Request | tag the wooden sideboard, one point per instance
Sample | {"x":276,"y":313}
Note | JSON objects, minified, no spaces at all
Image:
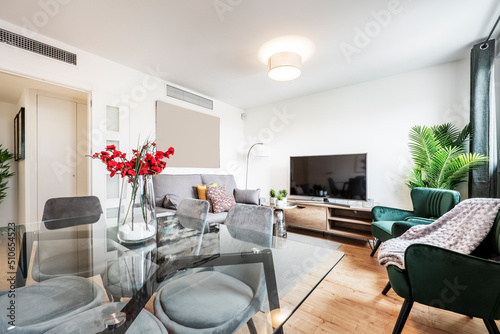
{"x":333,"y":219}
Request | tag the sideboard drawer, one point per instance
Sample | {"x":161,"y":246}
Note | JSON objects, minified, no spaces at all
{"x":305,"y":216}
{"x":352,"y":213}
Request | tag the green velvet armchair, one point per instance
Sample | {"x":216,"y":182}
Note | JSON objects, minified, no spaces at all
{"x":465,"y":284}
{"x":428,"y":205}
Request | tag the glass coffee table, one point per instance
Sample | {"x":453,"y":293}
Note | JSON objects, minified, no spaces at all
{"x":34,"y":256}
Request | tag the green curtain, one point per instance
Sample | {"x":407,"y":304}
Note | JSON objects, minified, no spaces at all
{"x":483,"y":180}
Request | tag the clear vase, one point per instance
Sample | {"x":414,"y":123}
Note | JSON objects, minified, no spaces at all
{"x":137,"y":214}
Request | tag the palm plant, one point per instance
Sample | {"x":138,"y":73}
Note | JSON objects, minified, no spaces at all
{"x":5,"y":172}
{"x":440,"y":156}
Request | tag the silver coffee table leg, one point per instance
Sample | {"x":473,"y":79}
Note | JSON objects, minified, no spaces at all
{"x":279,"y":223}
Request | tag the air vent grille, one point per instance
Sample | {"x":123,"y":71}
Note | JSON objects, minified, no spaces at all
{"x":180,"y":94}
{"x":32,"y":45}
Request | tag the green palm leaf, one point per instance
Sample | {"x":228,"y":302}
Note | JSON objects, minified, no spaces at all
{"x":422,"y":145}
{"x":440,"y":157}
{"x":460,"y":166}
{"x":415,"y":178}
{"x":446,"y":134}
{"x":464,"y":136}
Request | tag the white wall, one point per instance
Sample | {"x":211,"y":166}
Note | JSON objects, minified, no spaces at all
{"x":8,"y":208}
{"x":135,"y":91}
{"x":372,"y":117}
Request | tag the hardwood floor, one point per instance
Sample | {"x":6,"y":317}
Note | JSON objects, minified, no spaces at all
{"x":349,"y":300}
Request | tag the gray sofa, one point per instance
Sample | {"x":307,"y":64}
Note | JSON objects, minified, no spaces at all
{"x":170,"y":189}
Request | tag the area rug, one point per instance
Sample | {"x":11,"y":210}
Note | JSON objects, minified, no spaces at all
{"x":297,"y":257}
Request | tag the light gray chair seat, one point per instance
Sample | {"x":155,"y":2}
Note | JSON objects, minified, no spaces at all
{"x":208,"y":302}
{"x":126,"y":275}
{"x":62,"y":264}
{"x":43,"y":306}
{"x":92,"y":321}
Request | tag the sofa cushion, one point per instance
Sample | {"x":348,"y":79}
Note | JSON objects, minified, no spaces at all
{"x":227,"y":180}
{"x":221,"y":201}
{"x":175,"y":187}
{"x":247,"y":196}
{"x":202,"y":190}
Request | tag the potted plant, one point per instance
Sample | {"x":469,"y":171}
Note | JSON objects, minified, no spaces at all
{"x":281,"y":198}
{"x":272,"y":197}
{"x":5,"y":172}
{"x":440,"y":158}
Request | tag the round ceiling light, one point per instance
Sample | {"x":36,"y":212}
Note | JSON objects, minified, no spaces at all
{"x":284,"y":66}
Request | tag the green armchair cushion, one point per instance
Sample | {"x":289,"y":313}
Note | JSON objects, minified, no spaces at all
{"x":384,"y":213}
{"x":398,"y":228}
{"x":382,"y":230}
{"x":428,"y":204}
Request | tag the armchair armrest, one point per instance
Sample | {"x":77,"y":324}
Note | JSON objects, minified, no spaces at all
{"x":453,"y":281}
{"x":398,"y":228}
{"x":383,"y":213}
{"x":420,"y":220}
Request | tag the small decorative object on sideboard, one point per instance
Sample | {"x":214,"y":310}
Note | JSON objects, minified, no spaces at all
{"x":137,"y":213}
{"x":281,"y":196}
{"x":272,"y":197}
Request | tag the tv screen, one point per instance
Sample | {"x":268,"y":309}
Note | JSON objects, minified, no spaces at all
{"x":329,"y":176}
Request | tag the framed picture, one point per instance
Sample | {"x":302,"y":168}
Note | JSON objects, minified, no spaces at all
{"x":19,"y":135}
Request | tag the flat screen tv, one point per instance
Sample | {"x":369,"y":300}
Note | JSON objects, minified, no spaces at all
{"x":341,"y":176}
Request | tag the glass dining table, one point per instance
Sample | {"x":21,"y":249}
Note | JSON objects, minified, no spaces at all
{"x":63,"y":276}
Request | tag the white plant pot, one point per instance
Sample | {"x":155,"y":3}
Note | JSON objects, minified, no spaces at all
{"x":280,"y":203}
{"x":272,"y":200}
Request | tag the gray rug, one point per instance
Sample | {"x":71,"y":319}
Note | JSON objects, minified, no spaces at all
{"x":297,"y":257}
{"x":314,"y":241}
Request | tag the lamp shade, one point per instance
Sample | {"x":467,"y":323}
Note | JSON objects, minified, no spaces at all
{"x":284,"y":66}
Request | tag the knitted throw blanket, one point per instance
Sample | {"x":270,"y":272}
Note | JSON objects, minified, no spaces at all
{"x":461,"y":230}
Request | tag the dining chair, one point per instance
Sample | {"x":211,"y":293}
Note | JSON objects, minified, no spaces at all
{"x":193,"y":208}
{"x":93,"y":321}
{"x":126,"y":285}
{"x":48,"y":304}
{"x":58,"y":252}
{"x":223,"y":298}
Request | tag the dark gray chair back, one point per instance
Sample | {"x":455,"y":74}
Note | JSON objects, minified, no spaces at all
{"x":64,"y":212}
{"x":193,"y":208}
{"x":250,"y":217}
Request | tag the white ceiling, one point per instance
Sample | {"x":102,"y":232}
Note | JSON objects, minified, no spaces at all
{"x":212,"y":46}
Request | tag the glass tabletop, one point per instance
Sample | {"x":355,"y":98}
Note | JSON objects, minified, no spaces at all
{"x":84,"y":264}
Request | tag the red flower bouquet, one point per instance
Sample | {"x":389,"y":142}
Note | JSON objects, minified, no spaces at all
{"x":145,"y":161}
{"x":139,"y":208}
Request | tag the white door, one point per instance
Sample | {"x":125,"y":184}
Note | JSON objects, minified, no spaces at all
{"x":57,"y":157}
